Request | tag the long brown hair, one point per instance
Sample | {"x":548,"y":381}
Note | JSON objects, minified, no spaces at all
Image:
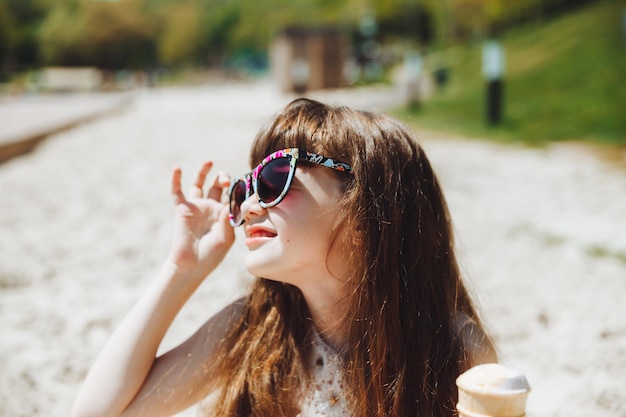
{"x":403,"y":352}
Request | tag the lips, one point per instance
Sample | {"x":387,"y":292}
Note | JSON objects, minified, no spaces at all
{"x":261,"y":233}
{"x":257,"y":232}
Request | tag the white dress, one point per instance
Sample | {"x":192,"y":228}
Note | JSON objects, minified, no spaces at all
{"x":325,"y":397}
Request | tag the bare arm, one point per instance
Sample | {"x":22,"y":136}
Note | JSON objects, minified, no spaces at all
{"x":126,"y":378}
{"x":182,"y":377}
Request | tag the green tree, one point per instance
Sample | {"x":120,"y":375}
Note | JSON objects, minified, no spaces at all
{"x":120,"y":34}
{"x":107,"y":35}
{"x":62,"y":36}
{"x":19,"y":23}
{"x":217,"y":26}
{"x":8,"y":36}
{"x":181,"y":35}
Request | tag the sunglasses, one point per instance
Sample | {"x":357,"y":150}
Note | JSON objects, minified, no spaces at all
{"x":272,"y":178}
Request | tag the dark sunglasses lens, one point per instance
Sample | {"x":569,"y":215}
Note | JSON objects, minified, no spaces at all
{"x":272,"y":179}
{"x":237,"y":196}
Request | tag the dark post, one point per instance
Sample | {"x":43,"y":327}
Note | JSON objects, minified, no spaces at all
{"x":493,"y":70}
{"x":494,"y":101}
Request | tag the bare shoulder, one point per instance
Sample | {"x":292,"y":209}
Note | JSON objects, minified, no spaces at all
{"x":476,"y":343}
{"x":183,"y":376}
{"x":203,"y":344}
{"x":215,"y":328}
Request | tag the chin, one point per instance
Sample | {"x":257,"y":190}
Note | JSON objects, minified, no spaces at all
{"x":268,"y":269}
{"x":260,"y":265}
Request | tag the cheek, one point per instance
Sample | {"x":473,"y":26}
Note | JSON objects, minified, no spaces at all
{"x":304,"y":221}
{"x":292,"y":213}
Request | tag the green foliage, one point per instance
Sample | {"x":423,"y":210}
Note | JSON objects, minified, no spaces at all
{"x":7,"y":31}
{"x":217,"y":27}
{"x":19,"y":23}
{"x":62,"y":36}
{"x":119,"y":35}
{"x":108,"y":35}
{"x":143,"y":33}
{"x":180,"y":35}
{"x":564,"y":81}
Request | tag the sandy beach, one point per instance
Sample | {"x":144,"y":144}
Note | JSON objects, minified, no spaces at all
{"x":85,"y":222}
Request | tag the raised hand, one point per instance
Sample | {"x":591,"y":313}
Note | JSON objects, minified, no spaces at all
{"x":202,"y":233}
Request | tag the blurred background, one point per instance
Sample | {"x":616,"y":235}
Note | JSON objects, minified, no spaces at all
{"x":520,"y":105}
{"x":559,"y":64}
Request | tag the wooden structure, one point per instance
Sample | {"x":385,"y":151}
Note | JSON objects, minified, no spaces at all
{"x":308,"y":59}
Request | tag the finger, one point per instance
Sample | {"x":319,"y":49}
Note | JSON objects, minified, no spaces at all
{"x":176,"y":189}
{"x":198,"y":184}
{"x":220,"y":182}
{"x":228,"y":230}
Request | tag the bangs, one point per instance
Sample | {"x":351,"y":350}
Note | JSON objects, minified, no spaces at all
{"x":274,"y":138}
{"x":303,"y":124}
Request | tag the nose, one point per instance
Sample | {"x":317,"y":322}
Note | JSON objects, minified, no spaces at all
{"x":250,"y":208}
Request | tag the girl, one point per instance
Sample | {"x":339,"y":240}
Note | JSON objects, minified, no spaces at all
{"x":359,"y":308}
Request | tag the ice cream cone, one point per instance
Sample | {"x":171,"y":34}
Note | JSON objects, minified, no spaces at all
{"x":492,"y":390}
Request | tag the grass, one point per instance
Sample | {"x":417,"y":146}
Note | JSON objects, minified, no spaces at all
{"x":565,"y":79}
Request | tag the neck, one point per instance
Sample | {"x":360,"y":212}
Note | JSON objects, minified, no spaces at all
{"x":328,"y":317}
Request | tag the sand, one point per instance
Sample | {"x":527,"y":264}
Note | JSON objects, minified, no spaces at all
{"x":85,"y":222}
